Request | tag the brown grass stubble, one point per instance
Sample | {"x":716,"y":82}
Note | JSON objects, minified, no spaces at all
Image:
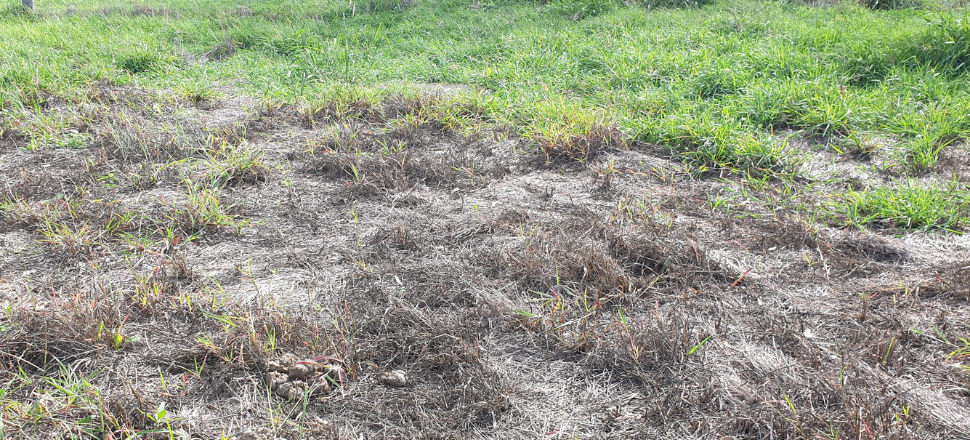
{"x":453,"y":236}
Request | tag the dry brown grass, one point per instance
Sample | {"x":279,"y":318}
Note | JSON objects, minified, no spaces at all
{"x":259,"y":273}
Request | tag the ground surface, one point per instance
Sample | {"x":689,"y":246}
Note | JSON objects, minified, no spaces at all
{"x":209,"y":264}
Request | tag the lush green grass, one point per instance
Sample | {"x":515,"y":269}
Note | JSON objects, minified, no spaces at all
{"x":722,"y":83}
{"x":909,"y":206}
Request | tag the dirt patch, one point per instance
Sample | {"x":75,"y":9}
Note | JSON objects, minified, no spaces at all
{"x":277,"y":274}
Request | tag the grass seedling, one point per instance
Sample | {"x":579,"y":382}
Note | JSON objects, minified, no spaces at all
{"x":699,"y":345}
{"x":634,"y":350}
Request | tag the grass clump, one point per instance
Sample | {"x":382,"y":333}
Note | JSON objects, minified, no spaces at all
{"x":373,"y":6}
{"x":143,"y":60}
{"x":567,"y":130}
{"x":708,"y":145}
{"x":923,"y":152}
{"x":228,"y":165}
{"x":946,"y":43}
{"x":908,"y":206}
{"x":203,"y":210}
{"x":199,"y":95}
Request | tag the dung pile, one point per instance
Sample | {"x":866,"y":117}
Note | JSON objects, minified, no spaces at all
{"x":290,"y":377}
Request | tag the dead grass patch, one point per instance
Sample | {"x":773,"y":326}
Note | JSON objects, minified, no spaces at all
{"x":264,"y":273}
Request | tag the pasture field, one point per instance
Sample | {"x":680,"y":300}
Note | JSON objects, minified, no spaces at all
{"x":508,"y":219}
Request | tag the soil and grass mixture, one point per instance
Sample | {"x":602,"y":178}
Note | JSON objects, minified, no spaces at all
{"x":229,"y":223}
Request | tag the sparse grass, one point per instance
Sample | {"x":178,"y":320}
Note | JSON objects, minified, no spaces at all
{"x":199,"y":94}
{"x":961,"y":350}
{"x":233,"y":165}
{"x":201,"y":210}
{"x":55,"y":390}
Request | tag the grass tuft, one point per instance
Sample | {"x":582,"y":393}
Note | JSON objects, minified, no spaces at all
{"x":908,"y":206}
{"x":228,"y":165}
{"x":567,"y":130}
{"x":140,"y":62}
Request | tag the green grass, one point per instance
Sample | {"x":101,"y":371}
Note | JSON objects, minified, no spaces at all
{"x":755,"y":67}
{"x":909,"y":206}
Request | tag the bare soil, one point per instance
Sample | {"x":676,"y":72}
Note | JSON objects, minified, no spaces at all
{"x":522,"y":298}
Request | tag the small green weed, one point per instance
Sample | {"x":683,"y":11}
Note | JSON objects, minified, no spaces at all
{"x":52,"y":140}
{"x":961,"y":346}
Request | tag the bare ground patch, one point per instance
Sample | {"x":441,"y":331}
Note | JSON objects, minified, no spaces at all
{"x":224,"y":270}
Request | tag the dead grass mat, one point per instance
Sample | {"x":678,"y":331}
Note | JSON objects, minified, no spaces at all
{"x":519,"y":298}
